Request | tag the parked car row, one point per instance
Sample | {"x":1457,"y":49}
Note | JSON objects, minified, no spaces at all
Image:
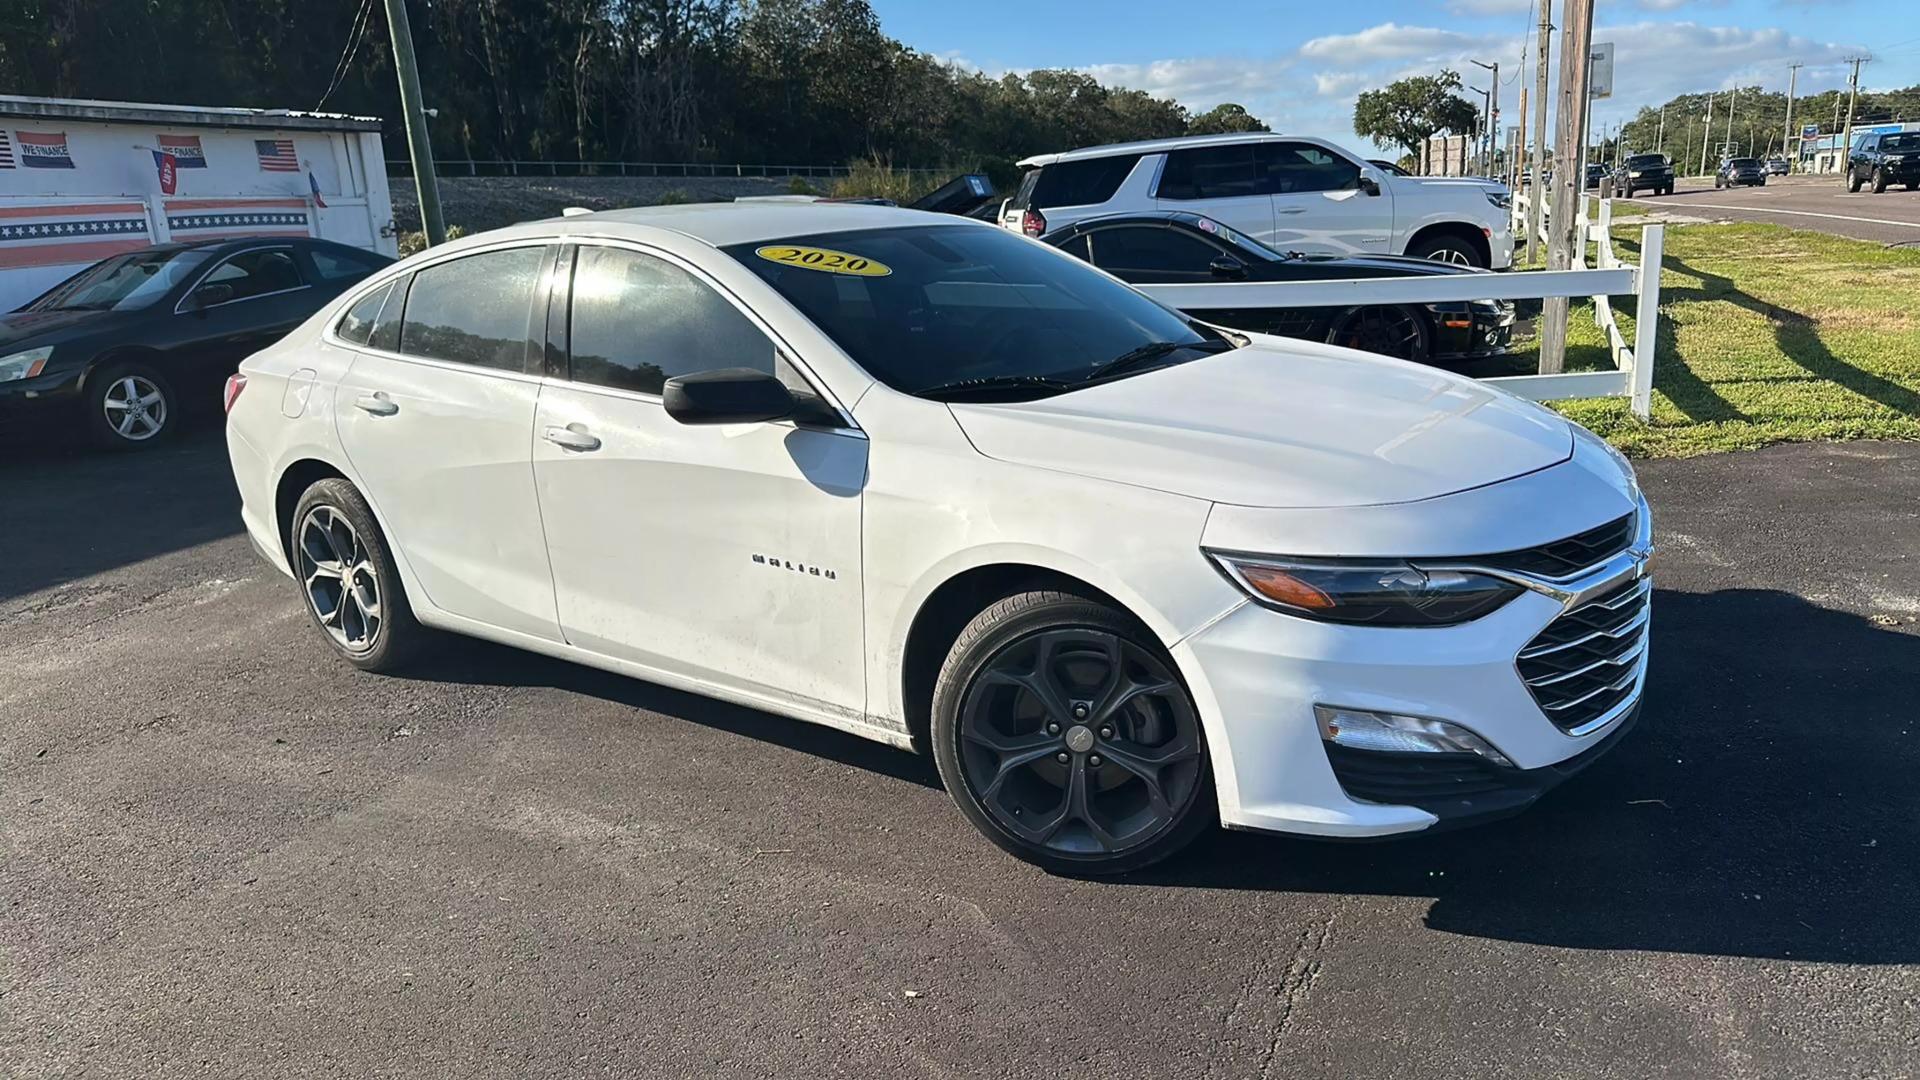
{"x":1123,"y":572}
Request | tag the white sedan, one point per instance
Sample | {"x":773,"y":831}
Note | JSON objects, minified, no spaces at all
{"x":933,"y":483}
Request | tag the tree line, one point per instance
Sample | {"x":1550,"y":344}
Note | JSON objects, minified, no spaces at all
{"x":1752,"y":122}
{"x":755,"y":81}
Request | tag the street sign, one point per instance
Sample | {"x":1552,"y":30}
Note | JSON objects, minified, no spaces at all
{"x":1600,"y":71}
{"x":1809,"y":132}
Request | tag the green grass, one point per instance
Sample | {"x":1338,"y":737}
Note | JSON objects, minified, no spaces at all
{"x":1767,"y":335}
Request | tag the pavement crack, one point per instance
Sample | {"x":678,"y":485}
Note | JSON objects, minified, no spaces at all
{"x":1295,"y":985}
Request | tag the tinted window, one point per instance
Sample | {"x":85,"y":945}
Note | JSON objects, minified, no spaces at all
{"x":1210,"y":172}
{"x":1291,"y":168}
{"x":1141,"y":248}
{"x":122,"y":283}
{"x":1645,"y":161}
{"x":963,"y":302}
{"x":1076,"y":183}
{"x":639,"y":321}
{"x":473,"y":310}
{"x":256,"y":273}
{"x":357,"y":324}
{"x":1743,"y":163}
{"x":1901,"y":143}
{"x":1077,"y":247}
{"x":331,"y":264}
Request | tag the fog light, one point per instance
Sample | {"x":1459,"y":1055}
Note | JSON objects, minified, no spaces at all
{"x":1392,"y":732}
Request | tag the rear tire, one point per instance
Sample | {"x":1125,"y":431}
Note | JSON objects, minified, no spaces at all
{"x":347,"y":580}
{"x":1853,"y":180}
{"x":1879,"y":180}
{"x":130,"y":406}
{"x":1042,"y":676}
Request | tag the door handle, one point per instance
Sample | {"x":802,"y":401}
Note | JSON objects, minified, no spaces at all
{"x":572,"y":437}
{"x":378,"y":403}
{"x":1291,"y":210}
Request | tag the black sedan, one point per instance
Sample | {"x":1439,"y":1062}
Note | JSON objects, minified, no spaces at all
{"x":1169,"y":247}
{"x":1735,"y":172}
{"x":124,"y":347}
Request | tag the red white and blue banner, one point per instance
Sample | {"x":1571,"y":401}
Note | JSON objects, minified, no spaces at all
{"x":208,"y":219}
{"x":39,"y":150}
{"x":59,"y":234}
{"x":169,"y":170}
{"x":186,"y":150}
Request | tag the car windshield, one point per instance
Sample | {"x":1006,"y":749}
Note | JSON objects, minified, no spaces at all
{"x":930,"y":309}
{"x":1743,"y":163}
{"x":123,"y":283}
{"x":1643,"y":161}
{"x":1907,"y":141}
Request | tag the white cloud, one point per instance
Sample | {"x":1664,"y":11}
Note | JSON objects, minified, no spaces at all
{"x":1386,"y":41}
{"x":1489,"y":7}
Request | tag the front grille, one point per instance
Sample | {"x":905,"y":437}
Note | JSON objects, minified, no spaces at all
{"x":1570,"y":556}
{"x":1585,"y":663}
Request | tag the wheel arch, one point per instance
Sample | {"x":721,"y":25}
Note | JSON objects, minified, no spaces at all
{"x":953,"y":603}
{"x":122,"y":354}
{"x":293,"y":482}
{"x":1460,"y":229}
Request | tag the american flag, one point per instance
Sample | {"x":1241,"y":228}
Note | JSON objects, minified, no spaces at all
{"x":6,"y":152}
{"x":276,"y":155}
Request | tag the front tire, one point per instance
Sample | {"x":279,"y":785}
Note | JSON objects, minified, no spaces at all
{"x":1064,"y":733}
{"x":1879,"y":180}
{"x":1386,"y":330}
{"x":130,"y":406}
{"x":347,"y":579}
{"x":1448,"y":248}
{"x":1853,"y":180}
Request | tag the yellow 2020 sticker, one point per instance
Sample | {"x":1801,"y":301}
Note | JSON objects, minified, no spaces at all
{"x":825,"y":260}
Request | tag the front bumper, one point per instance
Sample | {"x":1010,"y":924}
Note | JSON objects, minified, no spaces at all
{"x":56,"y":394}
{"x":1257,"y":675}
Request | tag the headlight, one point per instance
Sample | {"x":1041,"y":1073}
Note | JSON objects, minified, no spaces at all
{"x":1372,"y":592}
{"x":24,"y":365}
{"x":1501,"y":199}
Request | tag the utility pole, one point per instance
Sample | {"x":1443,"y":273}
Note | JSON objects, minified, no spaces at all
{"x":1733,"y":102}
{"x":419,"y":146}
{"x":1516,"y":159}
{"x":1853,"y":99}
{"x":1570,"y":140}
{"x":1706,"y":137}
{"x":1493,"y":112}
{"x":1660,"y":140}
{"x":1536,"y":202}
{"x":1786,"y":139}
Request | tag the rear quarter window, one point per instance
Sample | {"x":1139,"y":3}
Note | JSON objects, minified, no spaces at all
{"x":1076,"y":183}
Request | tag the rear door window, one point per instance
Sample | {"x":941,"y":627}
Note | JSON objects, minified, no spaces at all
{"x":1211,"y":172}
{"x":638,"y":321}
{"x":257,"y":273}
{"x":333,"y":265}
{"x":474,"y":310}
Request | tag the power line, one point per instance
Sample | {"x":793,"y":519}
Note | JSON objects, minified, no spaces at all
{"x":346,"y":55}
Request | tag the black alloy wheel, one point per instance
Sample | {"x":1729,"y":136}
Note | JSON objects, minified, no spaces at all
{"x":1387,"y":330}
{"x":1064,"y":734}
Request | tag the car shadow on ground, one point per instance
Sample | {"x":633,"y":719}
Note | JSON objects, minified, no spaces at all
{"x":69,"y":511}
{"x":1764,"y":807}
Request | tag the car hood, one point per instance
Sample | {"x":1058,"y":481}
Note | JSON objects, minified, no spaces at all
{"x":1276,"y":424}
{"x":30,"y":329}
{"x":1477,"y":183}
{"x":1344,"y":266}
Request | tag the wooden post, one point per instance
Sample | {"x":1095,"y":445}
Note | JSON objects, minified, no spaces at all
{"x":1569,"y":189}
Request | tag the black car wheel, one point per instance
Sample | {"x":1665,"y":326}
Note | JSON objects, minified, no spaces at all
{"x":1853,"y":180}
{"x":130,"y":407}
{"x":1393,"y":331}
{"x":1064,"y":734}
{"x":347,"y":579}
{"x":1448,"y":248}
{"x":1879,"y":179}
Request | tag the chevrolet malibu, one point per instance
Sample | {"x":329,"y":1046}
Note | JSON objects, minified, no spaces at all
{"x":1123,"y":574}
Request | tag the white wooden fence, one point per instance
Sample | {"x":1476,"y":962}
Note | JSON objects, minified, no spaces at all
{"x":1631,"y":377}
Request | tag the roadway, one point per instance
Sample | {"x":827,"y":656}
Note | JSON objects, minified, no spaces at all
{"x":1818,"y":203}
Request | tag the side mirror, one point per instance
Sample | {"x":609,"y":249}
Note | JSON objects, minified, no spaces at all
{"x":727,"y":396}
{"x":1369,"y":185}
{"x":1227,"y":267}
{"x":207,"y":296}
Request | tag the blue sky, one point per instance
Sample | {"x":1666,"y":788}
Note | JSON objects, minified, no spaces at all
{"x":1299,"y":65}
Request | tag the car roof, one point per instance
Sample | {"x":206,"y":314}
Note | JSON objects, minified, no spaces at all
{"x":1150,"y":146}
{"x":722,"y":224}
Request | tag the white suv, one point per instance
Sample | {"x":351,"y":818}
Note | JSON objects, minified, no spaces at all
{"x":1290,"y":192}
{"x":933,"y":483}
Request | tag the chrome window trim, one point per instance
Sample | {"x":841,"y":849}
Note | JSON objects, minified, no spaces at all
{"x":179,"y":308}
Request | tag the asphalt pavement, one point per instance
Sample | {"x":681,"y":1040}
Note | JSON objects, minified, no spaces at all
{"x":1814,"y":202}
{"x":224,"y":853}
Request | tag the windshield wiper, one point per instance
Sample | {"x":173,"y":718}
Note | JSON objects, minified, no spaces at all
{"x":1133,"y":358}
{"x":994,"y":384}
